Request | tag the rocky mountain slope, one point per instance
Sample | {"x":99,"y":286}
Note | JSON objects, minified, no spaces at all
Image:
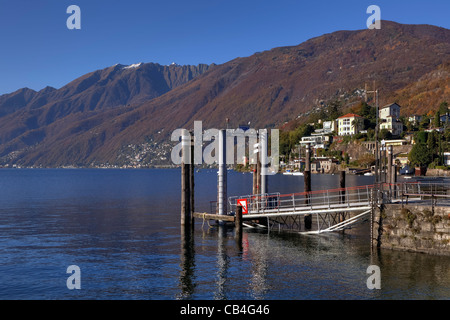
{"x":263,"y":90}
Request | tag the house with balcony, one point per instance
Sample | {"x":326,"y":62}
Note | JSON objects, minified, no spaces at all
{"x":316,"y":141}
{"x":393,"y":125}
{"x":350,"y":124}
{"x":390,"y":110}
{"x":390,"y":119}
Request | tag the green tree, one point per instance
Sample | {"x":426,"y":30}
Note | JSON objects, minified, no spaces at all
{"x":420,"y":155}
{"x":432,"y":143}
{"x":437,"y":119}
{"x":443,"y":108}
{"x":424,"y":122}
{"x":385,"y":134}
{"x":285,"y":148}
{"x":288,"y":139}
{"x":421,"y":137}
{"x":369,"y":114}
{"x":334,"y":110}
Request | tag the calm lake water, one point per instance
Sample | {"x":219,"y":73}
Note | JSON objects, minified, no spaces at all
{"x":121,"y":227}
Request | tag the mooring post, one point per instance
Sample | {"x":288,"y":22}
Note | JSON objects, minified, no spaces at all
{"x":238,"y":224}
{"x":222,"y":176}
{"x":307,"y":172}
{"x":307,"y":184}
{"x":185,"y":183}
{"x":342,"y":185}
{"x":342,"y":191}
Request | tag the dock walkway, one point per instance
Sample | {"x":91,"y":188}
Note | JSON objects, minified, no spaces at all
{"x":327,"y":210}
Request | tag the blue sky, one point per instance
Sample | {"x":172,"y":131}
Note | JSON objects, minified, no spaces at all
{"x":37,"y":49}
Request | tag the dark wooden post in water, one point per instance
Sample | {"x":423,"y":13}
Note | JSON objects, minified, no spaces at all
{"x":307,"y":173}
{"x":185,"y":181}
{"x":187,"y":262}
{"x":342,"y":191}
{"x":307,"y":184}
{"x":342,"y":185}
{"x":238,"y":225}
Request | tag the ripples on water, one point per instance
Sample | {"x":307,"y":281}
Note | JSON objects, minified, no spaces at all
{"x":121,"y":227}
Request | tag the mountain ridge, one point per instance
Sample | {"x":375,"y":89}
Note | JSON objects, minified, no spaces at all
{"x":265,"y":89}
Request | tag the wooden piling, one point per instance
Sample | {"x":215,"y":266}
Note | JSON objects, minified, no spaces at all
{"x":185,"y":182}
{"x":307,"y":172}
{"x":238,"y":224}
{"x":187,"y":262}
{"x":307,"y":185}
{"x":342,"y":192}
{"x":307,"y":180}
{"x":342,"y":185}
{"x":185,"y":195}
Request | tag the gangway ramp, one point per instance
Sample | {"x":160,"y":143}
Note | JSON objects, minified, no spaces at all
{"x":321,"y":211}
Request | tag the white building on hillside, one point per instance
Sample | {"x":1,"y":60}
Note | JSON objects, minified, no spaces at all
{"x":391,"y":110}
{"x":350,"y":124}
{"x":390,"y":119}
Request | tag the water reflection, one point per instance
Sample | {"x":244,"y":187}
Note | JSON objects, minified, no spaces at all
{"x":282,"y":265}
{"x":259,"y":270}
{"x":407,"y":275}
{"x":222,"y":264}
{"x":123,"y":229}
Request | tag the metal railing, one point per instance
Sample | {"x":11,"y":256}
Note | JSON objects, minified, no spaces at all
{"x":276,"y":203}
{"x":342,"y":199}
{"x":425,"y":191}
